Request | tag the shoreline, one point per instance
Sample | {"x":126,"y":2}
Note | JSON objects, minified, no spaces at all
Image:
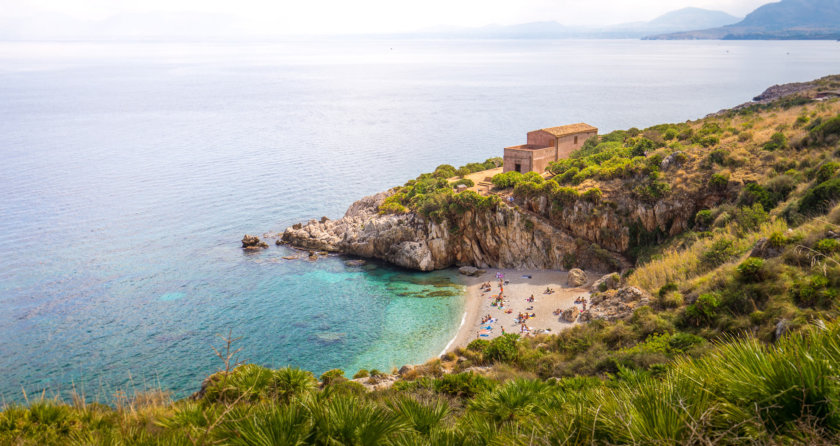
{"x":522,"y":283}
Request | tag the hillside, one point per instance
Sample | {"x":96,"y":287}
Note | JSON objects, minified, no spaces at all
{"x":720,"y":326}
{"x":787,"y":19}
{"x":679,"y":20}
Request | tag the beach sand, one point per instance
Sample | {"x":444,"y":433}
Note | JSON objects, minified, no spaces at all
{"x":522,"y":284}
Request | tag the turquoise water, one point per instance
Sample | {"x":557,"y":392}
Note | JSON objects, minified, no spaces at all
{"x":130,"y":171}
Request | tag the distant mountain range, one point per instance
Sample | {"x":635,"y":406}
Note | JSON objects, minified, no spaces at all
{"x":681,"y":20}
{"x":787,"y":19}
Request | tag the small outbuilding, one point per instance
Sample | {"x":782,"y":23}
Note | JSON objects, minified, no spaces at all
{"x":546,"y":145}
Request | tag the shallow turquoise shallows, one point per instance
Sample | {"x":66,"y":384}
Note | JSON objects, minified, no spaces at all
{"x":129,"y":172}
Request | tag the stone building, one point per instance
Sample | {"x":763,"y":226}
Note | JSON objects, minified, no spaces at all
{"x":545,"y":146}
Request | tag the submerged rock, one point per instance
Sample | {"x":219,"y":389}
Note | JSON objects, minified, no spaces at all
{"x":356,"y":262}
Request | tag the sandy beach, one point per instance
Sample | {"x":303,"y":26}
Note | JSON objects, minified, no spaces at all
{"x":521,"y":284}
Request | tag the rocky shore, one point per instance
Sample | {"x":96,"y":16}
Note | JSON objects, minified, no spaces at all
{"x":506,"y":237}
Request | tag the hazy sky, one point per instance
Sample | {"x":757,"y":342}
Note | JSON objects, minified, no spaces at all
{"x":355,"y":16}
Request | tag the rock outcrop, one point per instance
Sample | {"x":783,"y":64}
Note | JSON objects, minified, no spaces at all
{"x":571,"y":314}
{"x":607,"y":282}
{"x":253,"y":242}
{"x":504,"y":237}
{"x":576,"y":277}
{"x":615,"y":304}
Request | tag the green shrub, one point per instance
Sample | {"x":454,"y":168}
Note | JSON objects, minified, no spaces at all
{"x":818,"y":199}
{"x":750,"y":269}
{"x":777,"y":142}
{"x":642,"y":147}
{"x":363,"y":373}
{"x":826,"y":171}
{"x":719,"y":181}
{"x":827,"y":245}
{"x":719,"y":253}
{"x":826,"y":132}
{"x":463,"y":181}
{"x":670,"y":134}
{"x":704,"y":218}
{"x":592,"y":195}
{"x":533,"y":177}
{"x":704,"y":310}
{"x":463,"y":385}
{"x":333,"y":376}
{"x":814,"y":291}
{"x":503,"y":348}
{"x":507,"y":180}
{"x":444,"y":171}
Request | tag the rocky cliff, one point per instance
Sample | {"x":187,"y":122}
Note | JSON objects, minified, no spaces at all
{"x":504,"y":237}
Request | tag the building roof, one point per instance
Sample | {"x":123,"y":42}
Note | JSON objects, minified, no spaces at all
{"x":526,"y":147}
{"x":570,"y":129}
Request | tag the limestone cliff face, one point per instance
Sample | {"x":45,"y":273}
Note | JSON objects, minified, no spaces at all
{"x":621,"y":222}
{"x":507,"y":237}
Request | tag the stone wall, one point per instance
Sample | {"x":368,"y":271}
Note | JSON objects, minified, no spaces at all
{"x":567,"y":144}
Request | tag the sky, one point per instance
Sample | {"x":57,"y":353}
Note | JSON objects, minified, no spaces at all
{"x":250,"y":17}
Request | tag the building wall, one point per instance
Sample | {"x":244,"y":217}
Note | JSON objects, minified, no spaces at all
{"x":513,"y":156}
{"x":541,"y":138}
{"x":529,"y":160}
{"x":567,"y":145}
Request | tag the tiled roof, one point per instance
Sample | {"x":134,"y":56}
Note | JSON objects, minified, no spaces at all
{"x":570,"y":129}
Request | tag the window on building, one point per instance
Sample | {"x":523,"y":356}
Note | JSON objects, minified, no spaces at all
{"x":518,"y":167}
{"x":575,"y":140}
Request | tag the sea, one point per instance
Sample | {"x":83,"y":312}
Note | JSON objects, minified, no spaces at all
{"x":129,"y":172}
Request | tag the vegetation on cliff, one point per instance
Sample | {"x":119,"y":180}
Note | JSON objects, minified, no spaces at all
{"x":740,"y":342}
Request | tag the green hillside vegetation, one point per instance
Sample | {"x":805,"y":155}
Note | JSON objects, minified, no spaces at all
{"x":740,"y":345}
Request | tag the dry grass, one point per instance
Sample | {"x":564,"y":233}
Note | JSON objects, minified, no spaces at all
{"x":679,"y":265}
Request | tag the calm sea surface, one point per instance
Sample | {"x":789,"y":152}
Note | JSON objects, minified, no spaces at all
{"x":129,"y":173}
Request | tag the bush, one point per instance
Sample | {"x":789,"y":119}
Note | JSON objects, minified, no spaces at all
{"x":463,"y":385}
{"x":827,"y":246}
{"x":820,"y":198}
{"x":592,"y":195}
{"x":750,"y":269}
{"x":642,"y":147}
{"x":814,"y":291}
{"x":332,"y":376}
{"x":507,"y":180}
{"x":826,"y":132}
{"x":719,"y":253}
{"x":503,"y":348}
{"x":361,"y":374}
{"x":719,"y":181}
{"x":444,"y":171}
{"x":777,"y":142}
{"x":704,"y":218}
{"x":704,"y":310}
{"x":826,"y":171}
{"x":463,"y":181}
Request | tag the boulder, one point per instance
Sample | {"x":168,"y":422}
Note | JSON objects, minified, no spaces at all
{"x":571,"y":314}
{"x":576,"y":277}
{"x":764,"y":249}
{"x":405,"y":369}
{"x":673,"y":160}
{"x":253,"y":242}
{"x":356,"y":262}
{"x":632,"y":294}
{"x":607,"y":282}
{"x":470,"y":271}
{"x":278,"y":242}
{"x":324,"y":219}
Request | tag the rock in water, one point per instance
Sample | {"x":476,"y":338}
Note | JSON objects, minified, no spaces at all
{"x":253,"y":242}
{"x":571,"y":314}
{"x":576,"y":277}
